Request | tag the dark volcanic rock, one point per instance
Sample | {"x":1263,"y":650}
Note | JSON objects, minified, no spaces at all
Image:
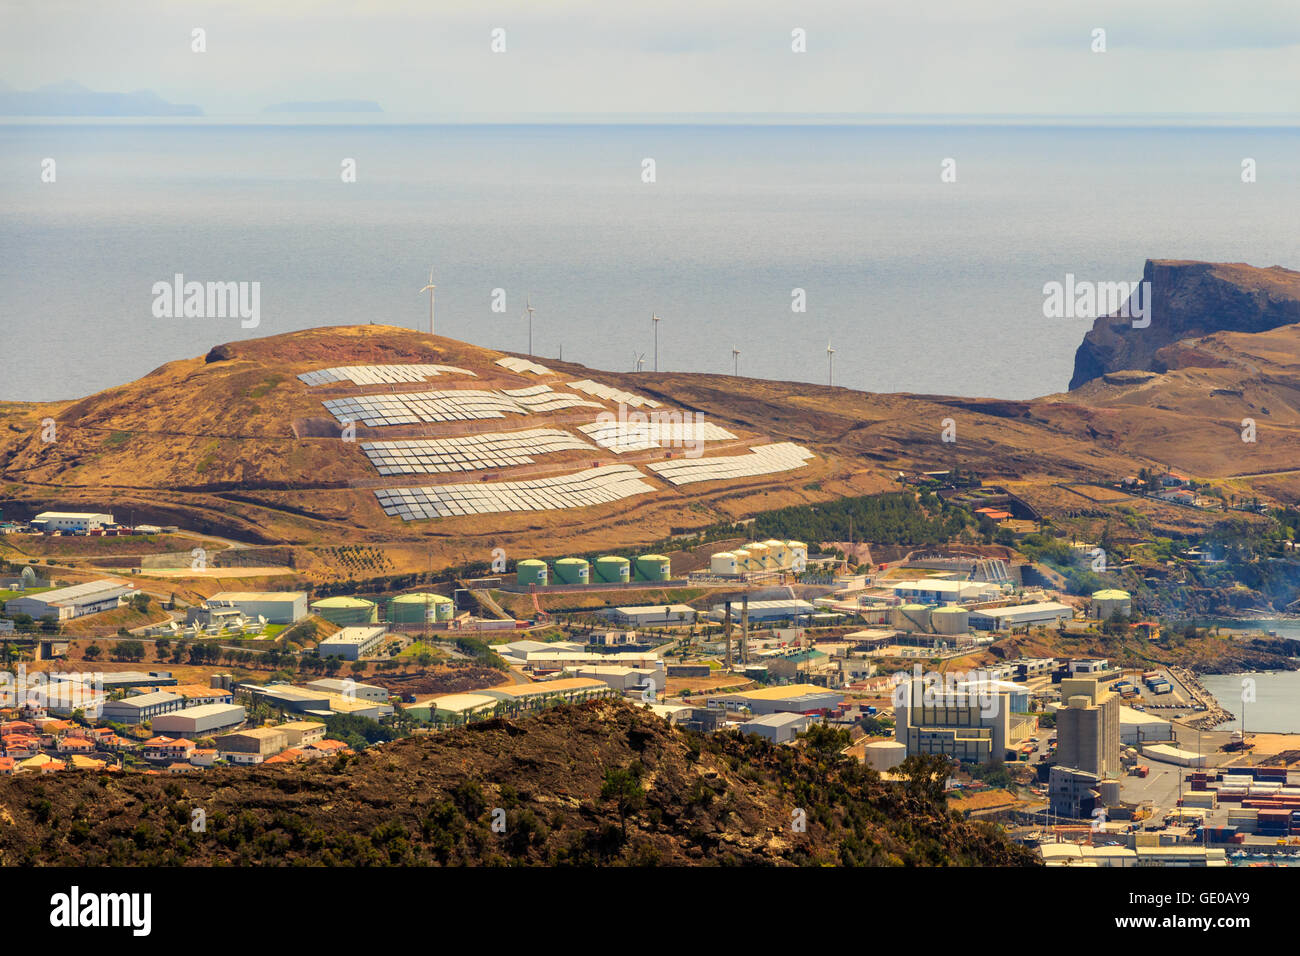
{"x":1189,"y":300}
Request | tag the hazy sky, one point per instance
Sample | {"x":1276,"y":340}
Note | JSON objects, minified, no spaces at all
{"x":675,"y":56}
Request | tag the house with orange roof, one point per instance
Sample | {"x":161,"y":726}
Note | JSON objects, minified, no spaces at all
{"x":204,"y":756}
{"x":16,"y":727}
{"x":181,"y":766}
{"x":7,"y":766}
{"x":41,"y":763}
{"x":323,"y":748}
{"x":169,"y":749}
{"x":81,"y":762}
{"x":76,"y":745}
{"x":291,"y":755}
{"x":21,"y":746}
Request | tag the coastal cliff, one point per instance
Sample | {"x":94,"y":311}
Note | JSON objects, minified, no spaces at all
{"x":1189,"y":300}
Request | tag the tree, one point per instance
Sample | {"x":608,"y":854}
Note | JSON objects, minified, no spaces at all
{"x":92,"y":652}
{"x":623,"y":786}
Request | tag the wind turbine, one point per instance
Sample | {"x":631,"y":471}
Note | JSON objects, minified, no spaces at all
{"x":429,"y":289}
{"x":640,"y":360}
{"x":528,"y":307}
{"x":735,"y":360}
{"x":830,"y":363}
{"x":656,"y":320}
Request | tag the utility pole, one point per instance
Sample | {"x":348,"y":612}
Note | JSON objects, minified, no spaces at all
{"x":726,"y":626}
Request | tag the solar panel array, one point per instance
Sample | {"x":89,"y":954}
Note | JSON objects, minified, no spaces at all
{"x":410,"y":408}
{"x":625,"y":436}
{"x":595,"y":486}
{"x":613,"y":394}
{"x":379,"y":374}
{"x":430,"y":456}
{"x":762,"y":460}
{"x":523,"y":365}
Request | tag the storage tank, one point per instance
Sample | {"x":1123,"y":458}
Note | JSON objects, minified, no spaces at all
{"x":724,"y":562}
{"x":950,"y":620}
{"x":760,"y":556}
{"x":779,"y":551}
{"x":884,"y":754}
{"x":420,"y":608}
{"x":1107,"y":602}
{"x":612,"y":569}
{"x":742,"y":560}
{"x":798,"y":555}
{"x":910,"y":617}
{"x":346,"y":611}
{"x":532,"y":571}
{"x":1109,"y":792}
{"x":572,"y":571}
{"x":654,"y":567}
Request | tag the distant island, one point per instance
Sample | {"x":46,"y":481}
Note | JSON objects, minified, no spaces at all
{"x":326,"y":106}
{"x":73,"y":99}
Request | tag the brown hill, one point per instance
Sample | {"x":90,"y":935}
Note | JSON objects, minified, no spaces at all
{"x":689,"y":800}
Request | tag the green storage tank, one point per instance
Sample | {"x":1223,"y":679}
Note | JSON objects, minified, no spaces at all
{"x":572,"y":571}
{"x":346,"y":611}
{"x":653,"y":567}
{"x":420,"y":608}
{"x":532,"y":571}
{"x":612,"y":569}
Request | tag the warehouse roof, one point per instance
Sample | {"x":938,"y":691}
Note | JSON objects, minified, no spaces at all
{"x":258,"y":596}
{"x":784,"y":692}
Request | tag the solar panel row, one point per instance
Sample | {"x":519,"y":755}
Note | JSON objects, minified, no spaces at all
{"x":522,"y":365}
{"x":762,"y":460}
{"x":613,"y":394}
{"x":622,"y":436}
{"x":429,"y":456}
{"x":379,"y":374}
{"x":595,"y":486}
{"x":409,"y":408}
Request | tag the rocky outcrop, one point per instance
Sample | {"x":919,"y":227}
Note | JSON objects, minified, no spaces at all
{"x":1189,"y":300}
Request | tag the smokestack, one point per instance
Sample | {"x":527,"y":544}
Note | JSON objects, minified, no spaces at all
{"x":726,"y":624}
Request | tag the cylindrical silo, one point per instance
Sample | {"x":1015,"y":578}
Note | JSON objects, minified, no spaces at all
{"x":742,"y":559}
{"x":1106,"y":602}
{"x":760,"y":556}
{"x":572,"y":571}
{"x":612,"y":569}
{"x":911,"y":617}
{"x":724,"y":562}
{"x":420,"y":608}
{"x":346,"y":611}
{"x":779,"y":551}
{"x":531,"y":571}
{"x":950,"y":620}
{"x":798,"y":555}
{"x":654,"y":567}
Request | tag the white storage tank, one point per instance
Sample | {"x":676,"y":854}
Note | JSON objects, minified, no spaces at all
{"x":759,"y":557}
{"x":742,"y":560}
{"x":724,"y":562}
{"x":779,"y":552}
{"x":950,"y":620}
{"x":798,"y":555}
{"x":911,"y":617}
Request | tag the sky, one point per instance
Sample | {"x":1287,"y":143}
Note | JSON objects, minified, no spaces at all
{"x":681,"y":57}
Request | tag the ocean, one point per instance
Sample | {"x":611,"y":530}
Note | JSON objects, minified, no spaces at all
{"x":919,"y":285}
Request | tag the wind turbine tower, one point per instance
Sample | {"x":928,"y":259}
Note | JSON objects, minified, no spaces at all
{"x":528,"y":307}
{"x":656,"y":320}
{"x":830,"y":363}
{"x":429,"y":289}
{"x":735,"y":361}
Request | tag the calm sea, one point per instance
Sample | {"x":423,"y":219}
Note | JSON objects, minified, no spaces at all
{"x":1276,"y":707}
{"x":920,"y":285}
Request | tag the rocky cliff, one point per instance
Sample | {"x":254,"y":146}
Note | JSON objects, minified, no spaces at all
{"x":1189,"y":300}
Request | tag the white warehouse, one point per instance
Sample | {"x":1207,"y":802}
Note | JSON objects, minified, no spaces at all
{"x":199,"y":721}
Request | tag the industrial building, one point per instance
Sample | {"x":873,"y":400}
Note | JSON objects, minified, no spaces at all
{"x":570,"y":690}
{"x":648,"y":615}
{"x":63,"y":604}
{"x":760,"y":556}
{"x":300,"y":733}
{"x":608,"y":569}
{"x":71,"y":521}
{"x":1073,"y":793}
{"x":253,"y":745}
{"x":778,"y":728}
{"x":764,"y":612}
{"x":199,"y":721}
{"x":940,"y":591}
{"x":346,"y":687}
{"x":142,"y":707}
{"x":453,"y":707}
{"x":973,"y":723}
{"x":1137,"y":728}
{"x":1041,"y":614}
{"x":352,"y":643}
{"x":788,"y":698}
{"x":277,"y":607}
{"x":317,"y":703}
{"x":1088,"y":727}
{"x":346,"y":611}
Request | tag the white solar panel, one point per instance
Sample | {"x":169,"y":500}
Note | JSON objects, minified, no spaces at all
{"x":594,"y":486}
{"x":761,"y":460}
{"x":613,"y":394}
{"x":470,"y":452}
{"x":523,"y":365}
{"x":409,"y":408}
{"x":379,"y":374}
{"x":624,"y":436}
